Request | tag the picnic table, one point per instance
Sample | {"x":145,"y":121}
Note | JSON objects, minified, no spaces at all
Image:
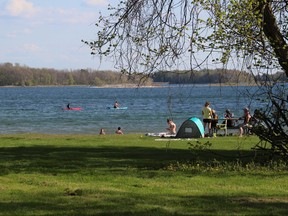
{"x":223,"y":126}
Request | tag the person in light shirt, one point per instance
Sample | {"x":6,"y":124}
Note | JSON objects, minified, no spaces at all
{"x":207,"y":116}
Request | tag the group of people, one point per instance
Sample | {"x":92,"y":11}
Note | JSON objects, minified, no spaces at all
{"x":210,"y":119}
{"x":118,"y":131}
{"x":102,"y":131}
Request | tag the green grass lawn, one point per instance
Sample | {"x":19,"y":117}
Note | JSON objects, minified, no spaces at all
{"x":137,"y":175}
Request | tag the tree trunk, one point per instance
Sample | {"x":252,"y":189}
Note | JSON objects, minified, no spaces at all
{"x":274,"y":35}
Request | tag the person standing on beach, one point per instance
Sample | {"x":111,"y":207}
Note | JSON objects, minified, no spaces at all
{"x":207,"y":116}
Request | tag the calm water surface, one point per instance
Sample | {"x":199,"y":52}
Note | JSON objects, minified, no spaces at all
{"x":40,"y":109}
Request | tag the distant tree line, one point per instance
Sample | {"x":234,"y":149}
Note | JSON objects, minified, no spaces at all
{"x":216,"y":76}
{"x":17,"y":75}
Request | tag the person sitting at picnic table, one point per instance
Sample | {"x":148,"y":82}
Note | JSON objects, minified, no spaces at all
{"x":246,"y":124}
{"x":214,"y":122}
{"x":229,"y":116}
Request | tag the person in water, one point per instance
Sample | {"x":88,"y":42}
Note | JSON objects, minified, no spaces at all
{"x":172,"y":127}
{"x":68,"y":106}
{"x":116,"y":105}
{"x":119,"y":131}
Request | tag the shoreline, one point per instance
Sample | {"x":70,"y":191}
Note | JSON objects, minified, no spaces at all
{"x":154,"y":85}
{"x":159,"y":85}
{"x":67,"y":134}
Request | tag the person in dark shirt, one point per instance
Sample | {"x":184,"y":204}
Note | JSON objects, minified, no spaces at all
{"x":229,"y":116}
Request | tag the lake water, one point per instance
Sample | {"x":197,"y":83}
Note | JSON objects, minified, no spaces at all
{"x":40,"y":109}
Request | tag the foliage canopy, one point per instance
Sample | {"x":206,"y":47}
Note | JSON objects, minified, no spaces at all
{"x":149,"y":35}
{"x":153,"y":35}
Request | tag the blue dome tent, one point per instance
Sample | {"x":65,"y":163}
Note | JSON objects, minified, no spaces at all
{"x":191,"y":128}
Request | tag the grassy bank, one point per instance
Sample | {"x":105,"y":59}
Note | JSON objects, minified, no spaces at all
{"x":136,"y":175}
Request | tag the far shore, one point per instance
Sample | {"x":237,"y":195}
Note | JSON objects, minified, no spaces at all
{"x":128,"y":85}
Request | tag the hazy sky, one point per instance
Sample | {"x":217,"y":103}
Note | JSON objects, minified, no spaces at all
{"x":48,"y":33}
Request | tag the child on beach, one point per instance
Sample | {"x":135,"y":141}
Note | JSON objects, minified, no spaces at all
{"x":102,"y":132}
{"x":119,"y":131}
